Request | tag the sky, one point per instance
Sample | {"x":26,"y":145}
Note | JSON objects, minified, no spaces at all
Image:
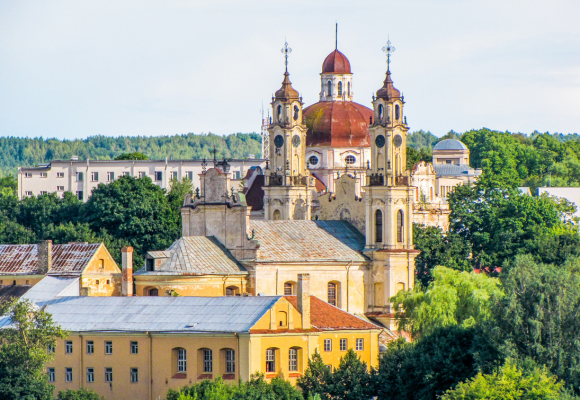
{"x":72,"y":69}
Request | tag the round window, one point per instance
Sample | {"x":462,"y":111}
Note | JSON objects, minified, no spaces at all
{"x":313,"y":160}
{"x":350,"y":159}
{"x":279,"y":141}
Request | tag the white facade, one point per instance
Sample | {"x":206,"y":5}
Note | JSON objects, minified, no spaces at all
{"x":82,"y":176}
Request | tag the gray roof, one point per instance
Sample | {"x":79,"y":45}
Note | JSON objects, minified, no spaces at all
{"x":450,"y":144}
{"x":50,"y":287}
{"x":195,"y":255}
{"x":299,"y":241}
{"x":455,"y":170}
{"x":157,"y":314}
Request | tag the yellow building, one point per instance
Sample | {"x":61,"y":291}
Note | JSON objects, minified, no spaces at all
{"x":139,"y":347}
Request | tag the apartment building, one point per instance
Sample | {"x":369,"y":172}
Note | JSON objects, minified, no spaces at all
{"x":82,"y":176}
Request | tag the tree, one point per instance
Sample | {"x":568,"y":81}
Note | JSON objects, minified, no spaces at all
{"x":177,"y":193}
{"x":351,"y":380}
{"x":453,"y":298}
{"x":538,"y":316}
{"x":511,"y":382}
{"x":415,"y":156}
{"x":24,"y":351}
{"x":315,"y":378}
{"x":131,"y":156}
{"x":81,"y":394}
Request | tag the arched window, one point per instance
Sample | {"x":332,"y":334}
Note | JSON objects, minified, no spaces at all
{"x":271,"y":360}
{"x":154,"y":292}
{"x":277,"y":215}
{"x":181,"y":360}
{"x":400,"y":226}
{"x":279,"y":113}
{"x":296,"y":113}
{"x":397,"y":111}
{"x":348,"y":86}
{"x":350,"y":159}
{"x":340,"y":88}
{"x":333,"y":294}
{"x":380,"y":111}
{"x":288,"y":288}
{"x":282,"y":319}
{"x":378,"y":226}
{"x":329,"y":88}
{"x":293,"y":359}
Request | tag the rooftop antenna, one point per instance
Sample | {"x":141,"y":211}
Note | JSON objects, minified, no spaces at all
{"x":388,"y":49}
{"x":336,"y":37}
{"x":286,"y":51}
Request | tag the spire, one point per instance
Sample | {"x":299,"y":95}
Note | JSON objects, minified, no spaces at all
{"x":286,"y":92}
{"x":388,"y":91}
{"x":336,"y":37}
{"x":286,"y":51}
{"x":388,"y":49}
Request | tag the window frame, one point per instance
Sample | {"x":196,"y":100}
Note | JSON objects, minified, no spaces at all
{"x":207,"y":361}
{"x":230,"y":361}
{"x":360,"y":344}
{"x":51,"y":374}
{"x":108,"y":347}
{"x":134,"y":346}
{"x":271,"y":360}
{"x":350,"y":159}
{"x":108,"y":374}
{"x":343,"y":344}
{"x":289,"y":285}
{"x":134,"y":372}
{"x":68,"y":374}
{"x":293,"y":359}
{"x":68,"y":347}
{"x":327,"y":344}
{"x":90,"y":346}
{"x":95,"y":176}
{"x":181,"y":360}
{"x":90,"y":374}
{"x":158,"y":176}
{"x":332,"y":300}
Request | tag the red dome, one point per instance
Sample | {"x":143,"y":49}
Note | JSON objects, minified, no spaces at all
{"x":337,"y":124}
{"x":336,"y":63}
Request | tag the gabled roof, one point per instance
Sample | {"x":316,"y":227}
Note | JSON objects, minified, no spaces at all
{"x":455,"y":170}
{"x":298,"y":241}
{"x":195,"y":255}
{"x":67,"y":259}
{"x":50,"y":287}
{"x":157,"y":314}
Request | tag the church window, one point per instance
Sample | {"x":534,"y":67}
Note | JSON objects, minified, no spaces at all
{"x":313,"y":160}
{"x":296,"y":113}
{"x":332,"y":294}
{"x":378,"y":226}
{"x":271,"y":360}
{"x":350,"y":159}
{"x":329,"y":89}
{"x":348,"y":86}
{"x":153,"y":292}
{"x":288,"y":289}
{"x":277,"y":215}
{"x":340,"y":88}
{"x":279,"y":113}
{"x":397,"y":111}
{"x":400,"y":227}
{"x":380,"y":111}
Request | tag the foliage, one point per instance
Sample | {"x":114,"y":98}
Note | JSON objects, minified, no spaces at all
{"x":315,"y":378}
{"x":81,"y":394}
{"x":425,"y":369}
{"x":131,"y":156}
{"x":24,"y":351}
{"x":177,"y":193}
{"x":453,"y":298}
{"x":511,"y":382}
{"x":538,"y":317}
{"x":420,"y":140}
{"x":415,"y":156}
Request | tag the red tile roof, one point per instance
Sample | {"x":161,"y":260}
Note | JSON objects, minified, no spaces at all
{"x":67,"y":259}
{"x":336,"y":63}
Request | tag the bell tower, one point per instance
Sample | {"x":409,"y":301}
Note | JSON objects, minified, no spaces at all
{"x":388,"y":203}
{"x":287,"y":194}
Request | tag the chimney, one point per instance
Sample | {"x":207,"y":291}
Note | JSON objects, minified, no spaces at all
{"x":304,"y":299}
{"x":44,"y":256}
{"x":127,"y":285}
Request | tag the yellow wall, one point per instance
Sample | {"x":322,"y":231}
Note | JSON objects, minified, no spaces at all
{"x":208,"y":285}
{"x":8,"y":280}
{"x":102,"y":275}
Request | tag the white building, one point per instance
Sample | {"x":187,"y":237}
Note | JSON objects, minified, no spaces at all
{"x":82,"y":176}
{"x":572,"y":194}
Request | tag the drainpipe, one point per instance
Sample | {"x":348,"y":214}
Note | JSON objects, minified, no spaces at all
{"x":347,"y":283}
{"x":276,"y":281}
{"x":225,"y":278}
{"x":150,"y":366}
{"x":81,"y":362}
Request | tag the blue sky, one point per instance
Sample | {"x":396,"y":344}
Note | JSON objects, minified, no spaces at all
{"x":72,"y":69}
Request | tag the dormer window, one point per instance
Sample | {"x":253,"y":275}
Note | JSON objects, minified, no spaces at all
{"x":150,"y":264}
{"x":340,"y":88}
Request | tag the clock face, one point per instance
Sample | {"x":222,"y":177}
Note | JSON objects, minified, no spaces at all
{"x":380,"y":141}
{"x":279,"y":141}
{"x":296,"y":141}
{"x":398,"y":140}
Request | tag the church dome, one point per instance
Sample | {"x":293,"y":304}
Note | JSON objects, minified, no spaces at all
{"x":337,"y":124}
{"x":336,"y":63}
{"x":450,"y":144}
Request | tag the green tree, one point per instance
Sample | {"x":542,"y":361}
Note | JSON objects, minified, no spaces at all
{"x":177,"y":193}
{"x":13,"y":233}
{"x":511,"y":382}
{"x":351,"y":380}
{"x":315,"y":378}
{"x":453,"y":298}
{"x":81,"y":394}
{"x":131,"y":156}
{"x":415,"y":156}
{"x":10,"y":183}
{"x":24,"y":351}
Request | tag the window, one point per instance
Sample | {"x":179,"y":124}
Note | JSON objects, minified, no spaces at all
{"x":207,"y":360}
{"x":43,"y":175}
{"x":43,"y":192}
{"x":110,"y":176}
{"x":313,"y":160}
{"x":236,"y":175}
{"x":134,"y":375}
{"x":189,"y":175}
{"x":350,"y":159}
{"x":448,"y":161}
{"x":288,"y":289}
{"x":296,"y":113}
{"x":158,"y":175}
{"x":173,"y":174}
{"x":329,"y":88}
{"x":90,"y":347}
{"x":348,"y":86}
{"x":150,"y":264}
{"x":28,"y":193}
{"x":181,"y":360}
{"x":142,"y":174}
{"x":27,"y":282}
{"x":60,"y":174}
{"x":50,"y":348}
{"x":327,"y":345}
{"x":80,"y":195}
{"x":279,"y":113}
{"x":59,"y":189}
{"x":378,"y":226}
{"x":231,"y":291}
{"x":230,"y":361}
{"x":51,"y":375}
{"x":68,"y":375}
{"x":108,"y":281}
{"x":343,"y":344}
{"x":126,"y":173}
{"x":332,"y":293}
{"x":134,"y":348}
{"x":94,"y":176}
{"x":90,"y":374}
{"x":293,"y":360}
{"x":397,"y":111}
{"x":282,"y":318}
{"x":108,"y":347}
{"x":400,"y":226}
{"x":359,"y":344}
{"x":80,"y":176}
{"x":271,"y":360}
{"x":68,"y":347}
{"x":28,"y":175}
{"x":380,"y":111}
{"x":340,"y":88}
{"x":108,"y":374}
{"x":153,"y":292}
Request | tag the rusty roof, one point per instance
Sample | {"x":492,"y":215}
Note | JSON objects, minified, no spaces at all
{"x":337,"y":124}
{"x":388,"y":91}
{"x":299,"y":241}
{"x":67,"y":259}
{"x":336,"y":63}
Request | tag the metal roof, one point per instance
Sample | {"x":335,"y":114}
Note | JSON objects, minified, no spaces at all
{"x":455,"y":170}
{"x":293,"y":241}
{"x":450,"y":144}
{"x":50,"y":287}
{"x":157,"y":314}
{"x":195,"y":255}
{"x":67,"y":259}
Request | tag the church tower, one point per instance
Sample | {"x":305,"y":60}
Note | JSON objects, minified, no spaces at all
{"x":287,"y":193}
{"x":388,"y":203}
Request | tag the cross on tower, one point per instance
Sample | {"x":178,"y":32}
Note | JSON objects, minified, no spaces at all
{"x":388,"y":49}
{"x":286,"y":51}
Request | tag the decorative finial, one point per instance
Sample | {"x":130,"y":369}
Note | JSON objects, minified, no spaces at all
{"x":388,"y":49}
{"x":336,"y":37}
{"x":286,"y":51}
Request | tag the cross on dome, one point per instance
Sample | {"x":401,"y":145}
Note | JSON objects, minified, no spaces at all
{"x":286,"y":51}
{"x":388,"y":49}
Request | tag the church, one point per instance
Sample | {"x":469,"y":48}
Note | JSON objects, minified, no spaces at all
{"x":355,"y":238}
